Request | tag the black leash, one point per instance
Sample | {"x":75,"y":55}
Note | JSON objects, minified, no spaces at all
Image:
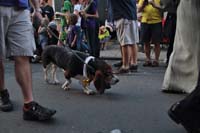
{"x":66,"y":46}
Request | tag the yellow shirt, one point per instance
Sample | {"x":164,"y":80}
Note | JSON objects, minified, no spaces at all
{"x":150,"y":14}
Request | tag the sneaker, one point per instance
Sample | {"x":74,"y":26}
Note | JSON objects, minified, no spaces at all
{"x":133,"y":68}
{"x":35,"y":112}
{"x":5,"y":103}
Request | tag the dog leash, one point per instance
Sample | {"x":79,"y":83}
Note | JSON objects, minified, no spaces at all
{"x":85,"y":64}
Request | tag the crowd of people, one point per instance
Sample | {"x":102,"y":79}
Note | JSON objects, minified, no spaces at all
{"x":78,"y":27}
{"x":75,"y":26}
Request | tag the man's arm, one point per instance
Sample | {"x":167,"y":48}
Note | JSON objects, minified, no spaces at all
{"x":35,"y":4}
{"x":37,"y":10}
{"x":141,"y":5}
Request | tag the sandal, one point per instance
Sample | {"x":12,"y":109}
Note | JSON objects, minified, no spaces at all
{"x":133,"y":68}
{"x":147,"y":64}
{"x":121,"y":71}
{"x":155,"y":64}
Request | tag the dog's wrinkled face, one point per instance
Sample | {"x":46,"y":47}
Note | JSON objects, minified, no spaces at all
{"x":104,"y":77}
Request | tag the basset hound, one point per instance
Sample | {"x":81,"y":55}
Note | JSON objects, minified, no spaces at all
{"x":80,"y":66}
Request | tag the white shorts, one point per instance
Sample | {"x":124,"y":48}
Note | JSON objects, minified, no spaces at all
{"x":127,"y":31}
{"x":16,"y":32}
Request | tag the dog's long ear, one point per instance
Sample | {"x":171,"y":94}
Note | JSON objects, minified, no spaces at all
{"x":99,"y":82}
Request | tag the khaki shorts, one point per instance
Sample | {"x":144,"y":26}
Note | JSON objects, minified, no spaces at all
{"x":127,"y":31}
{"x":16,"y":32}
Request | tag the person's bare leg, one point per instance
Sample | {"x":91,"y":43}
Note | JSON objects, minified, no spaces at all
{"x":24,"y":77}
{"x":5,"y":103}
{"x":2,"y":82}
{"x":134,"y":52}
{"x":125,"y":57}
{"x":147,"y":50}
{"x":157,"y":51}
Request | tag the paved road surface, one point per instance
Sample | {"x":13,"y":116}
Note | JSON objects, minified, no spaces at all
{"x":135,"y":105}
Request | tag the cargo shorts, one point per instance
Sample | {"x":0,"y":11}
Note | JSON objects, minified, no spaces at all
{"x":16,"y":32}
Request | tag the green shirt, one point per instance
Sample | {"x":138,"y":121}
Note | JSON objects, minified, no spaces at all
{"x":67,"y":6}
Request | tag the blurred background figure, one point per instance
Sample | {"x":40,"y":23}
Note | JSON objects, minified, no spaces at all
{"x":151,"y":29}
{"x":90,"y":24}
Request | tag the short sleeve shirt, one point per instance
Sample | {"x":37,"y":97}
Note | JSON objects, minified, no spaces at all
{"x":150,"y":14}
{"x":71,"y":33}
{"x":67,"y":6}
{"x":91,"y":22}
{"x":78,"y":7}
{"x":19,"y":3}
{"x":48,"y":10}
{"x":125,"y":9}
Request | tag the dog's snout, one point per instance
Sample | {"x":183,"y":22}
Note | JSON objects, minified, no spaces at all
{"x":114,"y":80}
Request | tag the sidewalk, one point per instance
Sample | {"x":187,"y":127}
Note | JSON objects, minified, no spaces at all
{"x":112,"y":52}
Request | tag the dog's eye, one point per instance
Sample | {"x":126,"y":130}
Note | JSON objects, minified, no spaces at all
{"x":107,"y":74}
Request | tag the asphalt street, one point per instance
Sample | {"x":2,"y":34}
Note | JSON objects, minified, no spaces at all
{"x":135,"y":105}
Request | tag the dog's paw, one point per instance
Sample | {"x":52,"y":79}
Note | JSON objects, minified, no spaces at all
{"x":56,"y":82}
{"x":66,"y":88}
{"x":89,"y":92}
{"x":48,"y":81}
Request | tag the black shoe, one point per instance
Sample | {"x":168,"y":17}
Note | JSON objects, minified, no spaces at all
{"x":133,"y":68}
{"x":118,"y":64}
{"x":184,"y":117}
{"x":35,"y":112}
{"x":173,"y":114}
{"x":174,"y":91}
{"x":5,"y":103}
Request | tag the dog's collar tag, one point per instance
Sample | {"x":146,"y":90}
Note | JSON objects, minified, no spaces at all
{"x":86,"y":82}
{"x":85,"y":65}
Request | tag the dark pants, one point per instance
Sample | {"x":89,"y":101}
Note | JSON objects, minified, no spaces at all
{"x":172,"y":17}
{"x":93,"y":41}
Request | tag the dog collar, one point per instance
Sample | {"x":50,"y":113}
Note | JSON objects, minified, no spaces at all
{"x":85,"y":65}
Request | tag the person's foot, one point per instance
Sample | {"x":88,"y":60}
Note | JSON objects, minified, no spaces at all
{"x":35,"y":112}
{"x":5,"y":103}
{"x":186,"y":117}
{"x":133,"y":68}
{"x":121,"y":71}
{"x":155,"y":64}
{"x":147,"y":64}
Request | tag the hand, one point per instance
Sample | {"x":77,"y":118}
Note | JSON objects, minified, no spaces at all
{"x":57,"y":13}
{"x":152,"y":3}
{"x":72,"y":44}
{"x":37,"y":17}
{"x":83,"y":13}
